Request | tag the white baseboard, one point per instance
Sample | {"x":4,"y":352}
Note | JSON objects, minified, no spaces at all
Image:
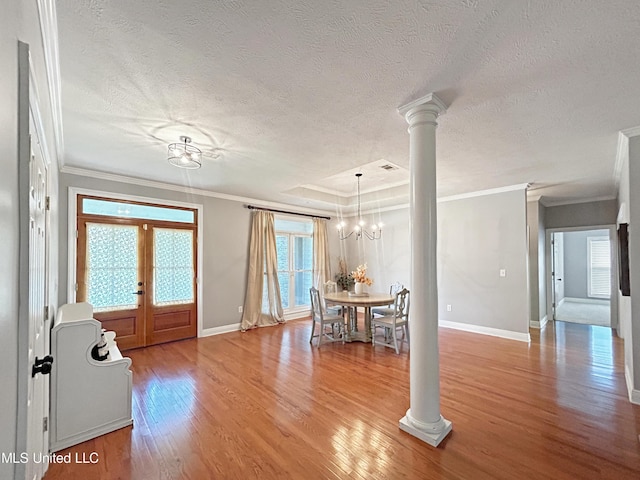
{"x":596,"y":301}
{"x":634,"y":395}
{"x":207,"y":332}
{"x":494,"y":332}
{"x":544,"y":322}
{"x":538,"y":323}
{"x":234,"y":327}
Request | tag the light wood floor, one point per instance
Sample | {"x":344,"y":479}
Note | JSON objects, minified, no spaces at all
{"x":266,"y":405}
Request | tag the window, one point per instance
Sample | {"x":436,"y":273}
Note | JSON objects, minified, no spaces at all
{"x":294,"y":244}
{"x":599,"y":261}
{"x":114,"y":208}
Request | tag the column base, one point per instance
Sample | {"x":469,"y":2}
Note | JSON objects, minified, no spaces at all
{"x":432,"y":438}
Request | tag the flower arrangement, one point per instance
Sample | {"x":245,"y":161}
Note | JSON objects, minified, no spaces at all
{"x":360,"y":275}
{"x":344,"y":278}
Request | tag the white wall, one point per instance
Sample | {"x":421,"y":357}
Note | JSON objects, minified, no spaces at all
{"x":587,"y":214}
{"x":387,"y":259}
{"x":542,"y":264}
{"x":624,"y":309}
{"x":476,"y":238}
{"x":537,"y":269}
{"x":632,"y":339}
{"x":9,"y":227}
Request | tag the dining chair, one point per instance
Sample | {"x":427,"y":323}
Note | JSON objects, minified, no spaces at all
{"x":388,"y":310}
{"x":331,"y":287}
{"x":398,"y":319}
{"x":324,"y":319}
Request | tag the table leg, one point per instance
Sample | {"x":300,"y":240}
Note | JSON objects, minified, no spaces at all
{"x":367,"y":324}
{"x":354,"y":318}
{"x":346,"y":313}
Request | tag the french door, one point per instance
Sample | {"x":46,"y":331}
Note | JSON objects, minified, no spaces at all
{"x":138,"y":273}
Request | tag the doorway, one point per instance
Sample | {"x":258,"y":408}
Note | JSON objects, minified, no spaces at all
{"x":137,"y":265}
{"x":583,"y":278}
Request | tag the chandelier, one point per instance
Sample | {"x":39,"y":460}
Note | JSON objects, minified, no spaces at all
{"x":184,"y":155}
{"x":358,"y":229}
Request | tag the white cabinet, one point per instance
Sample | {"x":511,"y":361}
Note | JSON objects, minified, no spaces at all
{"x":88,"y":397}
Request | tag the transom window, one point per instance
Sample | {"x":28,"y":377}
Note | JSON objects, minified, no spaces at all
{"x":116,"y":208}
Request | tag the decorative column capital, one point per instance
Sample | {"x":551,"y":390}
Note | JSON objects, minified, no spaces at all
{"x":430,"y":104}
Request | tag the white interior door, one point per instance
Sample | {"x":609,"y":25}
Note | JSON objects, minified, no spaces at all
{"x":33,"y":346}
{"x":37,"y":398}
{"x":557,"y":272}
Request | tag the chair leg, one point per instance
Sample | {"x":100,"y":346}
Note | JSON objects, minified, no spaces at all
{"x":320,"y":334}
{"x":406,"y":331}
{"x":395,"y":340}
{"x":313,"y":329}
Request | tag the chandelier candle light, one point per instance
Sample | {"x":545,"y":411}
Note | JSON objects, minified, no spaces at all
{"x":359,"y":230}
{"x":183,"y":155}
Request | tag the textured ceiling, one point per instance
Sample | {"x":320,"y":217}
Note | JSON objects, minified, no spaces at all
{"x":285,"y":97}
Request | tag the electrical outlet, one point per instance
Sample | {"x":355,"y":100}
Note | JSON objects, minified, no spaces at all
{"x":448,"y":308}
{"x":503,"y":272}
{"x":240,"y":309}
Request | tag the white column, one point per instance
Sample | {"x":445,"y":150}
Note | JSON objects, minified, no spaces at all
{"x":423,"y":419}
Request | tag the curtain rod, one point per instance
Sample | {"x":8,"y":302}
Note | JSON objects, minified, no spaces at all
{"x":253,"y":207}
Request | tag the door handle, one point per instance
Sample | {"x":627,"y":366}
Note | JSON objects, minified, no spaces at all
{"x":42,"y":365}
{"x":139,"y":292}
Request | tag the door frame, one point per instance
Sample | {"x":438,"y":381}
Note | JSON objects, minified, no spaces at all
{"x":613,"y":241}
{"x":72,"y":227}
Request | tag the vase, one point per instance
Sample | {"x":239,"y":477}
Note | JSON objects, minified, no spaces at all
{"x":359,"y":288}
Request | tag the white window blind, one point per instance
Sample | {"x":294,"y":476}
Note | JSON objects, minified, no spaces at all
{"x":599,"y":282}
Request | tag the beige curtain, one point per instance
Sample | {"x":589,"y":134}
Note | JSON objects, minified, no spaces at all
{"x":321,"y":264}
{"x":263,"y":265}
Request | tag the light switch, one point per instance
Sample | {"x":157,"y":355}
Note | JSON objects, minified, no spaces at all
{"x":503,"y":272}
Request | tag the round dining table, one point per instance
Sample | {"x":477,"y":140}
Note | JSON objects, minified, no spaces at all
{"x":365,"y":301}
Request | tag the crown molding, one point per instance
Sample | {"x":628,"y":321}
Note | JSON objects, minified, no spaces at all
{"x":559,"y":203}
{"x":49,"y":30}
{"x":390,"y":208}
{"x":336,"y":193}
{"x":631,"y":132}
{"x":112,"y":177}
{"x":481,"y":193}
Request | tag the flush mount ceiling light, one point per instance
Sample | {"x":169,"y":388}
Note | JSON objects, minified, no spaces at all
{"x":184,"y":155}
{"x":358,"y":229}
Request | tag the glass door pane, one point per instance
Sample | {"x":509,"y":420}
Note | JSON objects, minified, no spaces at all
{"x":112,"y":266}
{"x":173,"y":267}
{"x":303,"y":268}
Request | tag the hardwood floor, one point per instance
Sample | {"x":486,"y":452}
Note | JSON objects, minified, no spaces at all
{"x":265,"y":404}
